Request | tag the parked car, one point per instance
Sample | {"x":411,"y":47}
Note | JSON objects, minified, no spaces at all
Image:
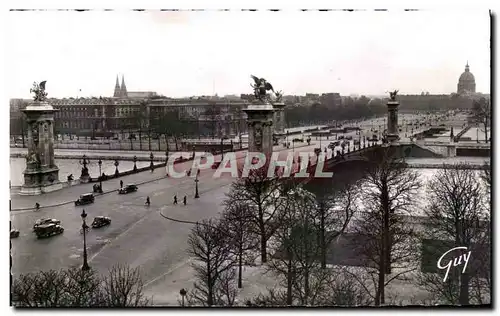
{"x":100,"y":221}
{"x":48,"y":230}
{"x":86,"y":198}
{"x":14,"y":233}
{"x":46,"y":221}
{"x":127,"y":189}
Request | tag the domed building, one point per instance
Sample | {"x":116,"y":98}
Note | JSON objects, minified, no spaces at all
{"x":466,"y":82}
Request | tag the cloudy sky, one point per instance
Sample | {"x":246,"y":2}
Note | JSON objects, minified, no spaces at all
{"x":198,"y":53}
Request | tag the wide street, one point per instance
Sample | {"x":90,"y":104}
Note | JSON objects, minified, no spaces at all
{"x":138,"y":235}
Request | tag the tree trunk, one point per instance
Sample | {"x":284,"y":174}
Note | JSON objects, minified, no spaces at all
{"x":486,"y":130}
{"x":322,"y":239}
{"x":263,"y":247}
{"x":149,"y":139}
{"x":306,"y":285}
{"x":385,"y":228}
{"x":176,"y":144}
{"x":464,"y":289}
{"x":380,"y":295}
{"x":140,"y":139}
{"x":210,"y":300}
{"x":289,"y":278}
{"x":240,"y":267}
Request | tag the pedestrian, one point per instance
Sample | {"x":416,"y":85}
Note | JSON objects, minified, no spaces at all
{"x":121,"y":184}
{"x":175,"y":199}
{"x":185,"y":200}
{"x":148,"y":202}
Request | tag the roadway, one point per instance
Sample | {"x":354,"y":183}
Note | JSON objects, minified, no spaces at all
{"x":138,"y":235}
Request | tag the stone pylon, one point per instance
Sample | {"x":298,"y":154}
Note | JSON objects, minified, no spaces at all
{"x":41,"y":174}
{"x":260,"y":127}
{"x":279,"y":121}
{"x":392,"y":121}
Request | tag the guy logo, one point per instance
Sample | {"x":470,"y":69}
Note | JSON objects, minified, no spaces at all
{"x":456,"y":261}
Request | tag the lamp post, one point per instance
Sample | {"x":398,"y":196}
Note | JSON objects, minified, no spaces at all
{"x":100,"y":174}
{"x":222,"y":148}
{"x":116,"y":167}
{"x":196,"y":194}
{"x":183,"y":293}
{"x":85,"y":266}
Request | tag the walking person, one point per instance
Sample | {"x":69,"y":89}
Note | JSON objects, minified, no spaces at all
{"x":121,"y":184}
{"x":175,"y":199}
{"x":148,"y":202}
{"x":185,"y":200}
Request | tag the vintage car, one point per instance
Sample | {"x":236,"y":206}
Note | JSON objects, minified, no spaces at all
{"x":127,"y":189}
{"x":100,"y":221}
{"x":14,"y":233}
{"x":86,"y":198}
{"x":47,"y":230}
{"x":46,"y":221}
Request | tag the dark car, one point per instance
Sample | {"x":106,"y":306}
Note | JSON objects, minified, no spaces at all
{"x":45,"y":221}
{"x":100,"y":221}
{"x":127,"y":189}
{"x":48,"y":230}
{"x":86,"y":198}
{"x":14,"y":233}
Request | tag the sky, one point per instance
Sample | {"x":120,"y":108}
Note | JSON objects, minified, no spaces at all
{"x":201,"y":53}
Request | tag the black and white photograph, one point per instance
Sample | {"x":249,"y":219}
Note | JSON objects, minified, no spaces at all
{"x":249,"y":158}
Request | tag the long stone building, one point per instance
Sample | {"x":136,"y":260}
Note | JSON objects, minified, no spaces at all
{"x":131,"y":112}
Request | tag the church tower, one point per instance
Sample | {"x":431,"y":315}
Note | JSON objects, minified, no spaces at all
{"x":116,"y":94}
{"x":123,"y":93}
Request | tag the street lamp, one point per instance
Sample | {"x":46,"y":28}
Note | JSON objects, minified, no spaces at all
{"x":196,"y":194}
{"x":116,"y":167}
{"x":183,"y":293}
{"x":85,"y":266}
{"x":100,"y":174}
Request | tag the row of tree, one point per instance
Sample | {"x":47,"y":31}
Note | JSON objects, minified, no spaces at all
{"x":295,"y":230}
{"x":121,"y":287}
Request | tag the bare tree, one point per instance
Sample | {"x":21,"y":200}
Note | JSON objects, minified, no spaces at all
{"x":123,"y":287}
{"x":333,"y":212}
{"x":297,"y":256}
{"x":76,"y":288}
{"x":82,"y":288}
{"x":42,"y":289}
{"x":210,"y":247}
{"x":260,"y":193}
{"x":385,"y":233}
{"x":458,"y":216}
{"x":237,"y":222}
{"x":482,"y":114}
